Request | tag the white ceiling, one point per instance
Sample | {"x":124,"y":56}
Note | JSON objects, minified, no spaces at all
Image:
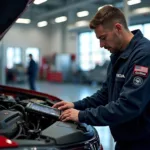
{"x":55,"y":8}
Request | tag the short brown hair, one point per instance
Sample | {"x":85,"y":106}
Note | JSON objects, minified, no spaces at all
{"x":108,"y":15}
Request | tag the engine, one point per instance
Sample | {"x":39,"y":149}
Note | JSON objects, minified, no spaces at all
{"x":9,"y":122}
{"x":31,"y":118}
{"x":25,"y":119}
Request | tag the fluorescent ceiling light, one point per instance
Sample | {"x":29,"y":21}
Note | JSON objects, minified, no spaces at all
{"x":141,"y":10}
{"x":42,"y":24}
{"x":102,"y":6}
{"x":60,"y":19}
{"x":38,"y":2}
{"x":82,"y":23}
{"x":133,"y":2}
{"x":23,"y":21}
{"x":82,"y":13}
{"x":78,"y":24}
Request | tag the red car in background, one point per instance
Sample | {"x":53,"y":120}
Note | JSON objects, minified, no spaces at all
{"x":27,"y":120}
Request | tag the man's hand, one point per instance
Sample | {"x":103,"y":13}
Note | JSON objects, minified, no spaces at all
{"x":63,"y":105}
{"x":70,"y":115}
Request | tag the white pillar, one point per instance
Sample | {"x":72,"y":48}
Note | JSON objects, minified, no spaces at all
{"x":2,"y":65}
{"x":126,"y":11}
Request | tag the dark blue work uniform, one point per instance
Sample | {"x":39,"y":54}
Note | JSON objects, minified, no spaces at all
{"x":123,"y":103}
{"x":32,"y":74}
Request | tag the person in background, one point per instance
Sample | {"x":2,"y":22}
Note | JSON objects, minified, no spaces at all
{"x":74,"y":71}
{"x":32,"y":72}
{"x":123,"y":102}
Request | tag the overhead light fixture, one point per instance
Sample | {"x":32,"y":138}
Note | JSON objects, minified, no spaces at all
{"x":38,"y":2}
{"x":141,"y":10}
{"x":42,"y":24}
{"x":78,"y":25}
{"x":60,"y":19}
{"x":82,"y":23}
{"x":133,"y":2}
{"x":82,"y":13}
{"x":23,"y":21}
{"x":102,"y":6}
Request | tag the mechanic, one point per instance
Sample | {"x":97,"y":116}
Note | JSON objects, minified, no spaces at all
{"x":32,"y":71}
{"x":123,"y":103}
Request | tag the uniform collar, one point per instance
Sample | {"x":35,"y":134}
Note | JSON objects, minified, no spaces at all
{"x":127,"y":51}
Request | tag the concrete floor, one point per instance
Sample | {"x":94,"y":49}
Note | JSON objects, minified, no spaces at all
{"x":70,"y":92}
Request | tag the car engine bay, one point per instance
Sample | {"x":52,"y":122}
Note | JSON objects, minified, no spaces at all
{"x":17,"y":121}
{"x":32,"y":118}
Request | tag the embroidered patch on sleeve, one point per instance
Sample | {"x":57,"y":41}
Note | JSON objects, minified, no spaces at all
{"x":140,"y":71}
{"x":137,"y":81}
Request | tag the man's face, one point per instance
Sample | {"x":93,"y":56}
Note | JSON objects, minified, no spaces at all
{"x":110,"y":39}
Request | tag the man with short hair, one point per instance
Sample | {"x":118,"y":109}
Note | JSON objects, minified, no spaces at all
{"x":123,"y":103}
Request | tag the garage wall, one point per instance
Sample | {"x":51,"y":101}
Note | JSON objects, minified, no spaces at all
{"x":24,"y":36}
{"x":61,"y":40}
{"x":53,"y":38}
{"x":71,"y":42}
{"x":56,"y":37}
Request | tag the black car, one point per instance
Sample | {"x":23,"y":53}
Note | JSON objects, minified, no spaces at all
{"x":27,"y":120}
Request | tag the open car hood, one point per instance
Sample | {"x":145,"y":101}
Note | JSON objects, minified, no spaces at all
{"x":28,"y":121}
{"x":10,"y":10}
